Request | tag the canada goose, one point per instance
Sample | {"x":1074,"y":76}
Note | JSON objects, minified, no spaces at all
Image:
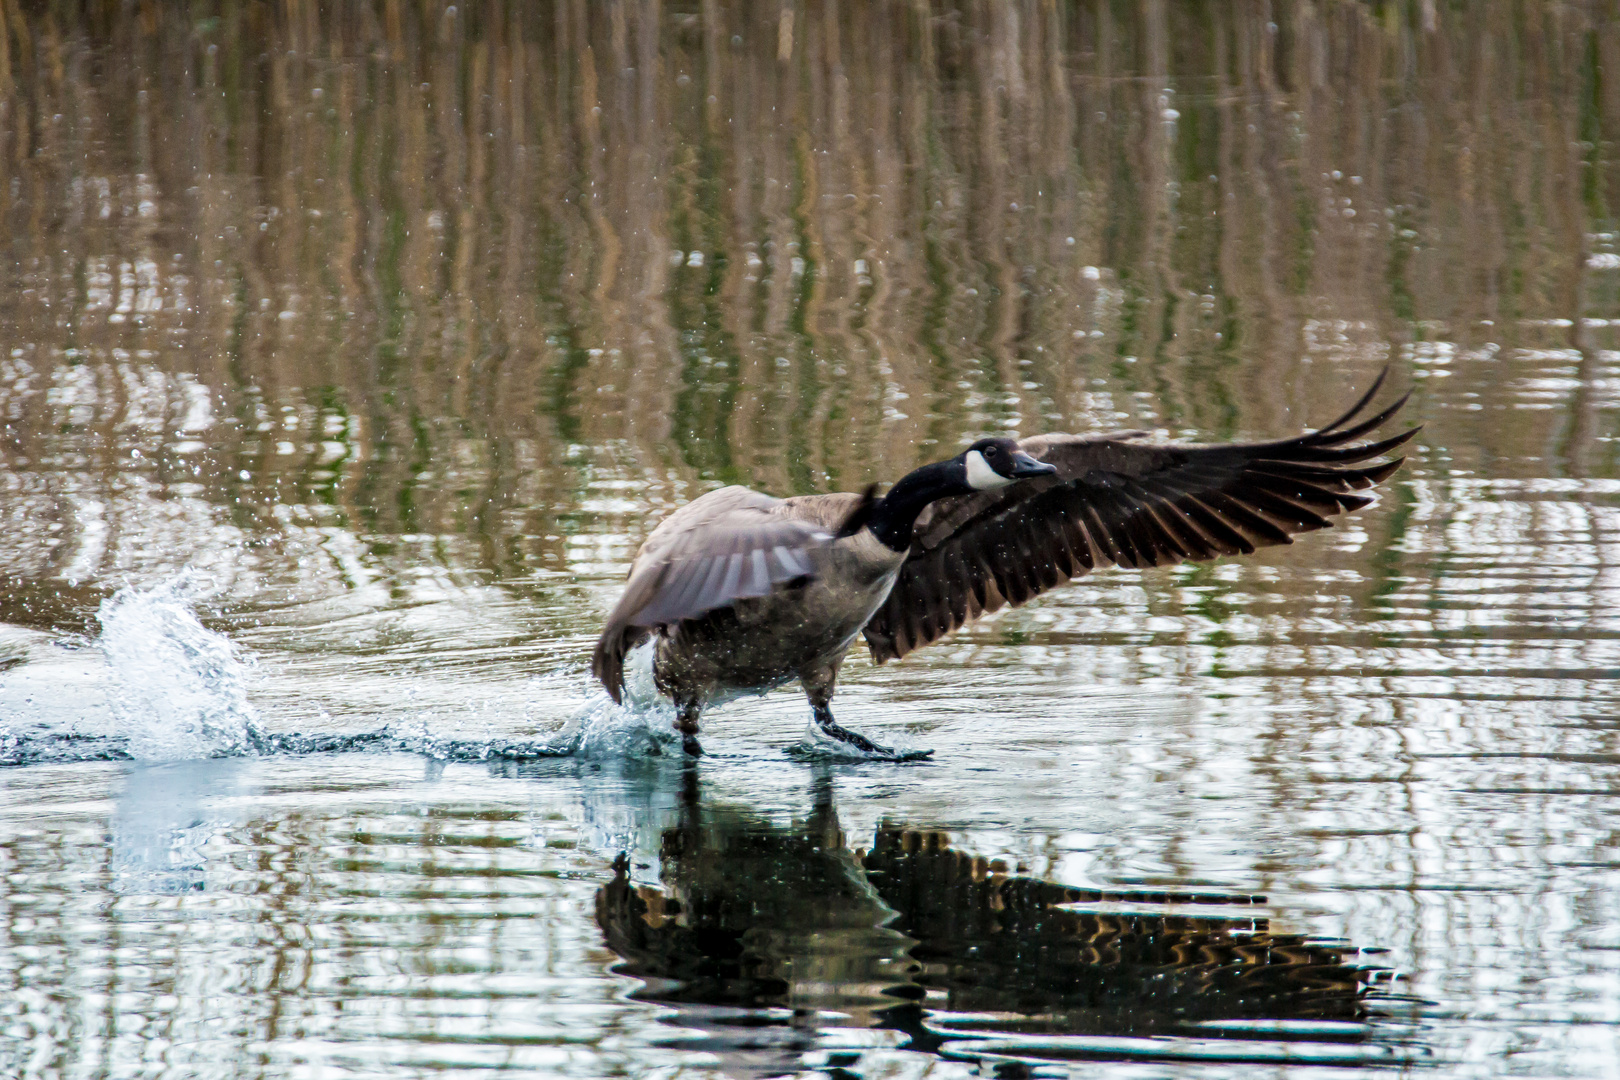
{"x":743,"y":591}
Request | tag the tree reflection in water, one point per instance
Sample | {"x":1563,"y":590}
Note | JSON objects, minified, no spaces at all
{"x":774,"y":942}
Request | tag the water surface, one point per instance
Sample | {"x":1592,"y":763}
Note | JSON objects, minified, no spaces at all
{"x":347,"y":353}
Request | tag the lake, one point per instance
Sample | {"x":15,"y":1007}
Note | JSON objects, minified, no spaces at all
{"x":348,"y":352}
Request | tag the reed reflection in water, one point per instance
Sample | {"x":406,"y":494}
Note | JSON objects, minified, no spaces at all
{"x":402,"y":271}
{"x":401,"y":323}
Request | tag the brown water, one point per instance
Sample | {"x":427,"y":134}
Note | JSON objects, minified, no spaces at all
{"x":377,"y":336}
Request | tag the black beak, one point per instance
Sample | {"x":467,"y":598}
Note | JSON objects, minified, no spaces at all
{"x":1024,"y":466}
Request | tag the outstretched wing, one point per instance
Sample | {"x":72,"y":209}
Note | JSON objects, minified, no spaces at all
{"x":726,"y":546}
{"x":1126,"y":500}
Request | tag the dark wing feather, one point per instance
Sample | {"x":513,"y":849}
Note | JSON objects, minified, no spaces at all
{"x":726,"y":546}
{"x":1126,"y":500}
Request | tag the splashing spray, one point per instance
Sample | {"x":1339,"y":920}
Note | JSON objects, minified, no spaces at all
{"x":178,"y":688}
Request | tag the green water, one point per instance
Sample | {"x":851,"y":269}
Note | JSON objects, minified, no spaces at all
{"x":379,"y":335}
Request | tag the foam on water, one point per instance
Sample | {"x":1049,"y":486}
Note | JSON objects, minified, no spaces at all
{"x":177,"y":689}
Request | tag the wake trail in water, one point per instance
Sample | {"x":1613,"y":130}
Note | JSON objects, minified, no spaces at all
{"x":178,"y":692}
{"x":70,"y":748}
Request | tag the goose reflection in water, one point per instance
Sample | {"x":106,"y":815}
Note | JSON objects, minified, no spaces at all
{"x":777,"y":946}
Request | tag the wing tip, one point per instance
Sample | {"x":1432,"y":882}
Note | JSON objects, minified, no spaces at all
{"x":1377,"y":474}
{"x":607,"y":659}
{"x":607,"y":664}
{"x":1337,"y":433}
{"x":1361,"y":403}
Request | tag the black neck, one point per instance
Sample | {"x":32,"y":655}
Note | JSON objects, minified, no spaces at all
{"x":894,"y":515}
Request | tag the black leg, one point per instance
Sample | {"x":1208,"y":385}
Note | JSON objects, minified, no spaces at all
{"x":687,"y":724}
{"x":832,"y":728}
{"x":818,"y":687}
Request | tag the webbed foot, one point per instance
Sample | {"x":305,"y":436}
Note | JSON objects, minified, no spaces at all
{"x":833,"y":729}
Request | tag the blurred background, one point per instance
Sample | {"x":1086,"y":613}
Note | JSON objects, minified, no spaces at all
{"x":469,"y":272}
{"x":401,"y":323}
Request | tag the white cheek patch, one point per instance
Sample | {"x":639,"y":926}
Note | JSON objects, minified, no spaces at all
{"x":980,"y":476}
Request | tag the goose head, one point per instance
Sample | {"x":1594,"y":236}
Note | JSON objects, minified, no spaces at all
{"x":985,"y":466}
{"x":994,"y":463}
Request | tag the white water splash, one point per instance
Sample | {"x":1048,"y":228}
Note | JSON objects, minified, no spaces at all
{"x":643,"y":727}
{"x":609,"y":732}
{"x":178,"y":689}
